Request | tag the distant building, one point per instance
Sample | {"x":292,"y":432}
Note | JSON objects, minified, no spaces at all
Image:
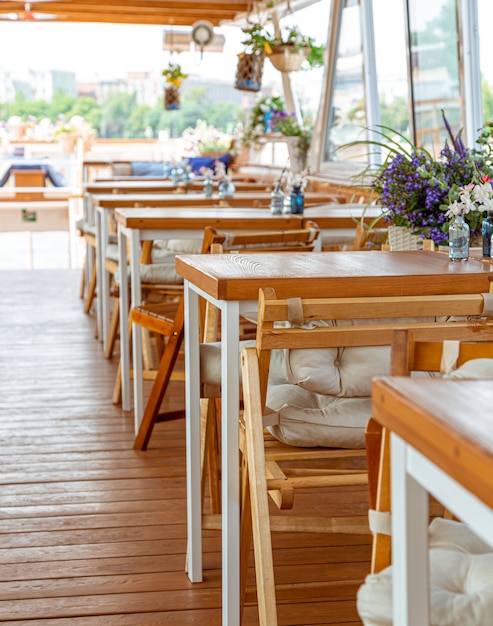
{"x":36,"y":85}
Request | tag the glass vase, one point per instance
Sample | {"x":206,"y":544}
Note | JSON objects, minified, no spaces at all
{"x":486,"y":232}
{"x":297,"y":200}
{"x":458,"y":239}
{"x":208,"y":187}
{"x":277,"y":200}
{"x":226,"y":189}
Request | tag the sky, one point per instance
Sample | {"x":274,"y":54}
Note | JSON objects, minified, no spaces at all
{"x":99,"y":50}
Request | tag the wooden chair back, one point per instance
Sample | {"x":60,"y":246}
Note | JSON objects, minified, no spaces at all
{"x":243,"y":242}
{"x":413,"y":351}
{"x":159,"y":316}
{"x":28,"y":178}
{"x":285,"y":324}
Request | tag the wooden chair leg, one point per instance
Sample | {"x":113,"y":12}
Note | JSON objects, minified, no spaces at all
{"x":381,"y":545}
{"x":161,"y":382}
{"x":373,"y":439}
{"x":91,"y":291}
{"x":210,"y":466}
{"x":117,"y":388}
{"x":82,"y":287}
{"x":261,"y":529}
{"x":113,"y":330}
{"x":245,"y":526}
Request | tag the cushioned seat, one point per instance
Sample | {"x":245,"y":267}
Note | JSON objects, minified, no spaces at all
{"x":461,"y":580}
{"x":324,"y":398}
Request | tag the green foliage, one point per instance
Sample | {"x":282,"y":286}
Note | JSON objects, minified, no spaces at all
{"x":121,"y":116}
{"x":487,"y":92}
{"x":259,"y":40}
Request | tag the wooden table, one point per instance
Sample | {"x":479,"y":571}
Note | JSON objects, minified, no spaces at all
{"x":330,"y":217}
{"x":138,"y":225}
{"x":232,"y":282}
{"x":442,"y":443}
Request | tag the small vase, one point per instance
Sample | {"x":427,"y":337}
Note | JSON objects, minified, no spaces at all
{"x":208,"y":187}
{"x":486,"y":232}
{"x":226,"y":189}
{"x":277,"y":200}
{"x":458,"y":239}
{"x":297,"y":200}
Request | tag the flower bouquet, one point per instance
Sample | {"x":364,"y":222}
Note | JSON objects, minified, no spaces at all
{"x":416,"y":189}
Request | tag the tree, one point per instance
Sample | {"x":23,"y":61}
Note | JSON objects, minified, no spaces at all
{"x":115,"y":114}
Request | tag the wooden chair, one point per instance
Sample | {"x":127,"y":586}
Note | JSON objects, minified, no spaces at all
{"x":411,"y":354}
{"x":169,"y":322}
{"x":28,"y":178}
{"x":274,"y":470}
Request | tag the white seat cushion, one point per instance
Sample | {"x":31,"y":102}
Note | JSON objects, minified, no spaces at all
{"x":461,"y":580}
{"x":475,"y":368}
{"x":210,"y":361}
{"x":325,"y":397}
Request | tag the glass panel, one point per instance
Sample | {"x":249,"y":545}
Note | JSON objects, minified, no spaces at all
{"x":486,"y":51}
{"x":347,"y":112}
{"x":391,"y":60}
{"x":434,"y":70}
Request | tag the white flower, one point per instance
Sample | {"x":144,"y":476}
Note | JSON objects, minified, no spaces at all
{"x":472,"y":197}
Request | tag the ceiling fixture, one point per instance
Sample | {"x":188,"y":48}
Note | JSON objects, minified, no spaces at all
{"x":27,"y":15}
{"x":202,"y":34}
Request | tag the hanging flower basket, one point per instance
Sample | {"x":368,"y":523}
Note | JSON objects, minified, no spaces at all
{"x":171,"y":98}
{"x":288,"y":57}
{"x":249,"y":72}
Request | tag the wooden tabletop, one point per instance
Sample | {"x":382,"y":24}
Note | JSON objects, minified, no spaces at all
{"x":336,"y":274}
{"x":450,"y":421}
{"x":136,"y":200}
{"x":343,"y":215}
{"x":327,"y":216}
{"x":196,"y":218}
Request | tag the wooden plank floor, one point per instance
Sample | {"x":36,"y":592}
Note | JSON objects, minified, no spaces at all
{"x":92,"y":532}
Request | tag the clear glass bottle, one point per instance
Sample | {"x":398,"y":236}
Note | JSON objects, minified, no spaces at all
{"x":458,"y":239}
{"x":486,"y":232}
{"x":226,"y":189}
{"x":208,"y":187}
{"x":175,"y":176}
{"x":297,"y":199}
{"x":277,"y":200}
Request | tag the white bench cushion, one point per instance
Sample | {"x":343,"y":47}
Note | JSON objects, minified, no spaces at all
{"x":461,"y":580}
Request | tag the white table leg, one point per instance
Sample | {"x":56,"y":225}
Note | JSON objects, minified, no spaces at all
{"x":230,"y":394}
{"x":103,"y":278}
{"x":99,"y":273}
{"x":124,"y":339}
{"x":192,"y":403}
{"x":136,"y":331}
{"x":411,"y":597}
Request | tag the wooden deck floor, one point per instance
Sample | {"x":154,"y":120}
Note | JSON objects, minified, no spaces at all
{"x":93,"y":533}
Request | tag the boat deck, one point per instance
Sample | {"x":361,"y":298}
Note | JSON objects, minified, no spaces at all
{"x":93,"y":532}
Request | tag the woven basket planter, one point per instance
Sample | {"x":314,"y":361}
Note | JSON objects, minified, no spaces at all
{"x":249,"y":72}
{"x":171,"y":98}
{"x":401,"y":238}
{"x":287,"y":58}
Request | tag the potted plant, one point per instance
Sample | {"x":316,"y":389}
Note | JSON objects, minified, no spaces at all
{"x":417,"y":189}
{"x":288,"y":51}
{"x":174,"y":78}
{"x":251,"y":61}
{"x":287,"y":124}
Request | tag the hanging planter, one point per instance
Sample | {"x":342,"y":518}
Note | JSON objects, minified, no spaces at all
{"x":287,"y":51}
{"x":174,"y":79}
{"x":288,"y":57}
{"x":171,"y":98}
{"x":249,"y":72}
